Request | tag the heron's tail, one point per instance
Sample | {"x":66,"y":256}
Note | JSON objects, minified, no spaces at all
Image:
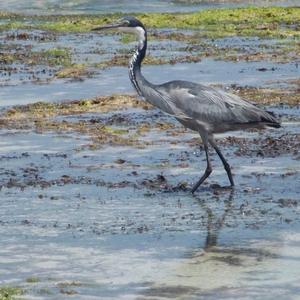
{"x":270,"y":120}
{"x":275,"y":125}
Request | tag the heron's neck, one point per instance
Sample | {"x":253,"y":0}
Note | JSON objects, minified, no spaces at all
{"x":144,"y":88}
{"x":135,"y":62}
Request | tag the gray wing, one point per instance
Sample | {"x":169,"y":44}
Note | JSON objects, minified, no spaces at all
{"x":210,"y":106}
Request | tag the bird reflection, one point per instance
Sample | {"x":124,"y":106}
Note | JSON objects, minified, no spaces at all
{"x":197,"y":270}
{"x":215,"y":223}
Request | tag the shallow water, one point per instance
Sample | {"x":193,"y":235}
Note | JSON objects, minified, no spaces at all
{"x":115,"y":80}
{"x":27,"y":83}
{"x":100,"y":236}
{"x":117,"y":222}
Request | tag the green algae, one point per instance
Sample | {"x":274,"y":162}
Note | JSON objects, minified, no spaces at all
{"x":266,"y":96}
{"x":54,"y":56}
{"x":32,"y":279}
{"x":74,"y":71}
{"x":44,"y":110}
{"x":206,"y":25}
{"x":51,"y":57}
{"x":114,"y":130}
{"x":41,"y":117}
{"x":249,"y":21}
{"x":10,"y":293}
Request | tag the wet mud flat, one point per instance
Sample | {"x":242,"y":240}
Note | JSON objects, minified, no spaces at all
{"x":94,"y":182}
{"x":95,"y":203}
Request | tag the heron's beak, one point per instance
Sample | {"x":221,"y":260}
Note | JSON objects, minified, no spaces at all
{"x":108,"y":26}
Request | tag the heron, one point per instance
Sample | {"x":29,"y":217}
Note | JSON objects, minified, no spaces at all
{"x":204,"y":109}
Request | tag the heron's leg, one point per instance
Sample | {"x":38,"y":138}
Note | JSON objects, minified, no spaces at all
{"x":224,"y":161}
{"x":208,"y":169}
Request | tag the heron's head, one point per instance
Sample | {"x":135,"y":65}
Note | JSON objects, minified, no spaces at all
{"x":126,"y":24}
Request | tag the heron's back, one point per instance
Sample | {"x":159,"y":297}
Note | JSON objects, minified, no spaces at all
{"x":217,"y":111}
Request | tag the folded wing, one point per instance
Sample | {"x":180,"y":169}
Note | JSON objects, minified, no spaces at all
{"x":212,"y":106}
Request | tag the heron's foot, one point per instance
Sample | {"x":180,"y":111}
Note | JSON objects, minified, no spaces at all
{"x":194,"y":188}
{"x":201,"y":180}
{"x":229,"y":174}
{"x":231,"y":180}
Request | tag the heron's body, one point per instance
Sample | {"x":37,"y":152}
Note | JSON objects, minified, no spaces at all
{"x":198,"y":107}
{"x":208,"y":109}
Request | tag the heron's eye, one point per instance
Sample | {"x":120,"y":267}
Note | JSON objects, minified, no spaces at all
{"x":124,"y":22}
